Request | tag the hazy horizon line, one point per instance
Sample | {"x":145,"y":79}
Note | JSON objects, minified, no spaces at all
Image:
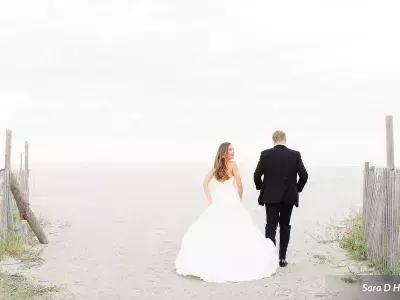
{"x":175,"y":162}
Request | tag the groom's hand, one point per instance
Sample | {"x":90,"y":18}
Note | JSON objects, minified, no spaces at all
{"x":303,"y":174}
{"x":258,"y":174}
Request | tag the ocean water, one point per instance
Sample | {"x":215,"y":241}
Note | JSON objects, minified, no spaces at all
{"x":176,"y":187}
{"x":152,"y":194}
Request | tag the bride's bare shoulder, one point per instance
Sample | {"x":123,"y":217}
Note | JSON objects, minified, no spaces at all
{"x":231,"y":164}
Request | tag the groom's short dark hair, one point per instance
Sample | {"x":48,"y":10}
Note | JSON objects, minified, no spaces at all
{"x":278,"y":136}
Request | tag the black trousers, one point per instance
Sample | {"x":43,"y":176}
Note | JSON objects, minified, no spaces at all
{"x":278,"y":213}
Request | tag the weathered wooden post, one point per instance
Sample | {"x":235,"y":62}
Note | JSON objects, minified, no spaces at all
{"x":21,"y":171}
{"x":26,"y":177}
{"x":7,"y":166}
{"x":8,"y":150}
{"x":365,"y":216}
{"x":390,"y":244}
{"x":25,"y":211}
{"x":389,"y":142}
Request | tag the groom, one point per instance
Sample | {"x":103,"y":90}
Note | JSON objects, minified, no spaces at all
{"x":279,"y":189}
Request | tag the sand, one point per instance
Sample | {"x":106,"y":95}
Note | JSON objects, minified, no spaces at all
{"x":115,"y":231}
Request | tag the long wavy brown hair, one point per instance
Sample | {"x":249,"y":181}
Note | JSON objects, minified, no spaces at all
{"x":220,"y":170}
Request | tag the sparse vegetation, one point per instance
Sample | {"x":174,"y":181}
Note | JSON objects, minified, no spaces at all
{"x":10,"y":245}
{"x":352,"y":241}
{"x":18,"y":287}
{"x":352,"y":238}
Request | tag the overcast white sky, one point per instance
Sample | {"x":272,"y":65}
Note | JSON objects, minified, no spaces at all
{"x":170,"y":80}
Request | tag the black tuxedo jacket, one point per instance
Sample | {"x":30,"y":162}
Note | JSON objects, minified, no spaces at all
{"x":280,"y":166}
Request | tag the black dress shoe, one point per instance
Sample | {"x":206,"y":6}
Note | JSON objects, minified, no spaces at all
{"x":283,"y":263}
{"x":283,"y":244}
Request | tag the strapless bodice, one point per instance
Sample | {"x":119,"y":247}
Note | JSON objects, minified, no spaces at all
{"x":225,"y":191}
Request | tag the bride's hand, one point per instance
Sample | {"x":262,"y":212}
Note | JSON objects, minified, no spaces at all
{"x":238,"y":179}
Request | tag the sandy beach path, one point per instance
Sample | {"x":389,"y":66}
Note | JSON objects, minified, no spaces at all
{"x":115,"y":232}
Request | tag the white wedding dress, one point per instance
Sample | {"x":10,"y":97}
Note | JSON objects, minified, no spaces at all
{"x":224,"y":244}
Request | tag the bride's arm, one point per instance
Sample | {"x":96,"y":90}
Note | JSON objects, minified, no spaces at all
{"x":238,"y":179}
{"x":206,"y":181}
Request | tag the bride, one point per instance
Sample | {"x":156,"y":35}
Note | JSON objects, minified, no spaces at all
{"x":224,"y":244}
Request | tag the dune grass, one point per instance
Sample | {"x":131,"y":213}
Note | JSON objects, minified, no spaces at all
{"x":11,"y":245}
{"x":18,"y":287}
{"x":352,"y":241}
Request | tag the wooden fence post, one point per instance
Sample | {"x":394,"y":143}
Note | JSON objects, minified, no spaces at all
{"x":26,"y":177}
{"x":25,"y":211}
{"x":7,"y":166}
{"x":390,"y":197}
{"x":13,"y":188}
{"x":389,"y":142}
{"x":21,"y":170}
{"x":7,"y":151}
{"x":365,"y":217}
